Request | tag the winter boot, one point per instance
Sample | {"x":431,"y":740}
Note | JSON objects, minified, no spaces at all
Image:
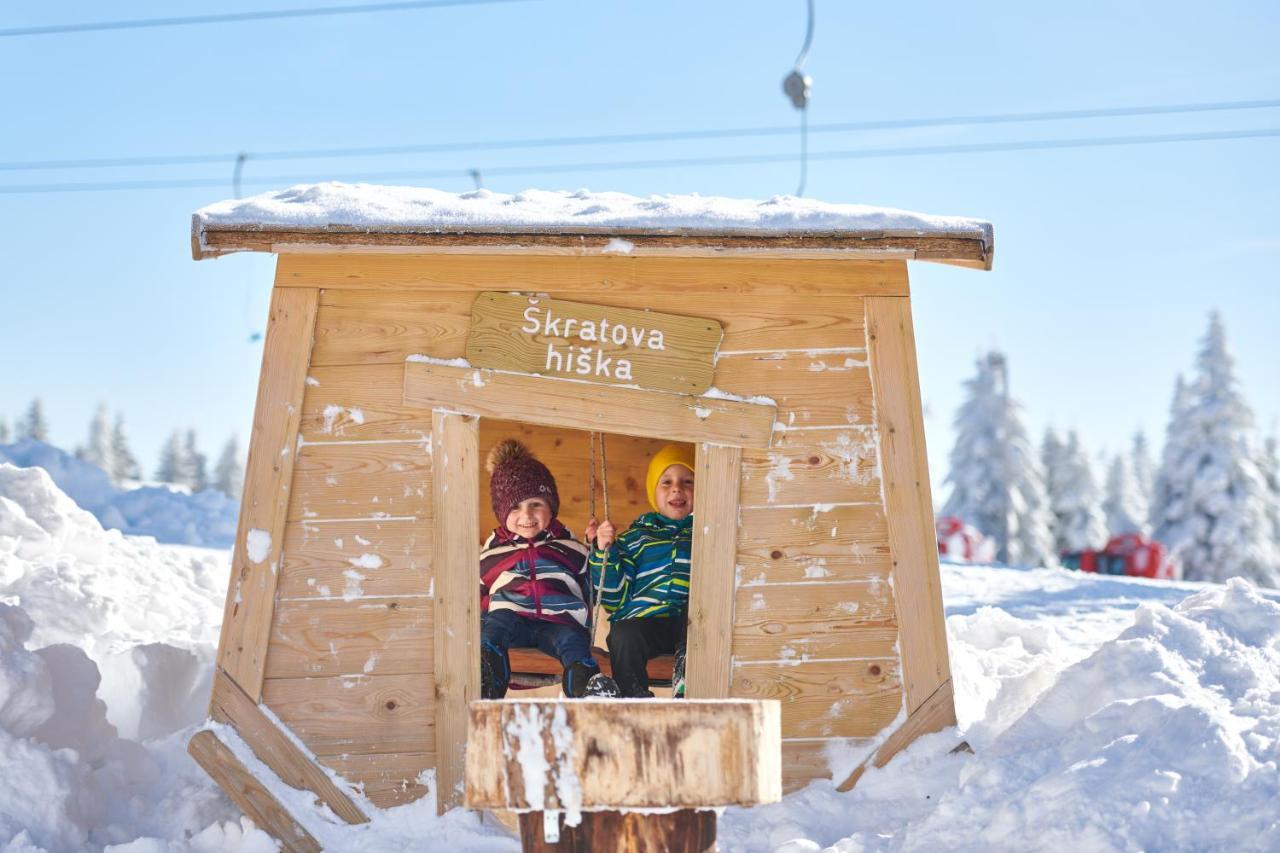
{"x":602,"y":686}
{"x":494,"y":673}
{"x":677,"y":676}
{"x":577,"y":676}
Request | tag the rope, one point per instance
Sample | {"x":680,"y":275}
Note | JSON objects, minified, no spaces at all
{"x":604,"y":480}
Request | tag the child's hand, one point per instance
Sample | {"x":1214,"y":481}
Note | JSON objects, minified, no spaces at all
{"x":592,"y":527}
{"x":605,"y":533}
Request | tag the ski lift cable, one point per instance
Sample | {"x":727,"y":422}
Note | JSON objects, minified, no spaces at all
{"x":796,"y":86}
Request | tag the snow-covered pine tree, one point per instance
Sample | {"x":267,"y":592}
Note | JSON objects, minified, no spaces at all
{"x":1217,"y":514}
{"x":170,"y":469}
{"x":1052,"y":452}
{"x":35,"y":425}
{"x":1167,"y":501}
{"x":1125,"y":510}
{"x":97,"y":449}
{"x":4,"y":431}
{"x":124,"y":465}
{"x":1271,"y":474}
{"x":1140,"y":466}
{"x":228,"y":475}
{"x":997,"y":484}
{"x":1075,"y":501}
{"x":195,"y":465}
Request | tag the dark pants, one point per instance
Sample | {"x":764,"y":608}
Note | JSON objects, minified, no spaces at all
{"x":632,"y":642}
{"x":505,"y":629}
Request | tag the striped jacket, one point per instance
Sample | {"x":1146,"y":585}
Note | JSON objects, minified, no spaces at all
{"x":646,"y":571}
{"x":544,"y":578}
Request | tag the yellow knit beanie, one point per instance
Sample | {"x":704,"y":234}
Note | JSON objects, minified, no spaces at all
{"x":672,"y":454}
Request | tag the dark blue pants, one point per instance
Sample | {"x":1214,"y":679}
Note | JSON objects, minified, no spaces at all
{"x":505,"y":629}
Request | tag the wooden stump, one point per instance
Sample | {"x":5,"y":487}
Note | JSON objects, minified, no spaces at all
{"x":612,"y":769}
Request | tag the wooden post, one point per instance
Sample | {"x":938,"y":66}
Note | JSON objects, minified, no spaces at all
{"x":586,"y":775}
{"x":715,"y":551}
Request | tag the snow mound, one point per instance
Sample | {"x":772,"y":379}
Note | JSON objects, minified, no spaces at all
{"x":206,"y":519}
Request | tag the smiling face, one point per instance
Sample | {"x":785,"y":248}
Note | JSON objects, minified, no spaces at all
{"x":674,"y":492}
{"x":529,"y":517}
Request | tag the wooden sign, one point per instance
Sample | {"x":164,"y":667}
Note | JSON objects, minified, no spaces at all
{"x":596,"y":343}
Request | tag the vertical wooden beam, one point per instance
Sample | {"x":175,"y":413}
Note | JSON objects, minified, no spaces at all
{"x":255,"y":560}
{"x":712,"y":576}
{"x":249,"y":794}
{"x":455,"y":484}
{"x":913,"y":545}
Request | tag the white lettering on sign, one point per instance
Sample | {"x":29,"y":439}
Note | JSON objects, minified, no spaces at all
{"x":589,"y":330}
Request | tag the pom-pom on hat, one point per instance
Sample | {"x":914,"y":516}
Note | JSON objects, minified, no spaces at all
{"x":672,"y":454}
{"x":516,"y":475}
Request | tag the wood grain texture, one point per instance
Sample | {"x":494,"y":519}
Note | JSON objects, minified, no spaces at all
{"x":583,"y":276}
{"x":375,"y":391}
{"x":934,"y":714}
{"x":276,"y":749}
{"x":819,"y":758}
{"x":797,"y":544}
{"x":825,"y":698}
{"x":365,"y":481}
{"x":584,"y":405}
{"x":662,"y":351}
{"x":246,"y":620}
{"x":825,"y":619}
{"x":317,"y":557}
{"x":624,"y":754}
{"x":259,"y":804}
{"x":387,"y":779}
{"x":380,"y":327}
{"x":842,"y":467}
{"x":364,"y":636}
{"x":683,"y":831}
{"x":909,"y":503}
{"x":715,"y":533}
{"x":356,"y":715}
{"x":455,"y":487}
{"x":824,"y":389}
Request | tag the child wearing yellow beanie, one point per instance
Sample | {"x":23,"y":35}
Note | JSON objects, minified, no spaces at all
{"x":642,"y":576}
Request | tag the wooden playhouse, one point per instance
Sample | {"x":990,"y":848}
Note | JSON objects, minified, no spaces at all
{"x":410,"y":330}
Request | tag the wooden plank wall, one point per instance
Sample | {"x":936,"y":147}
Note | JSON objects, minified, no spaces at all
{"x":815,"y":624}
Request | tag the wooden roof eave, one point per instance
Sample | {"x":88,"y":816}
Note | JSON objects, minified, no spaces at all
{"x":969,"y":248}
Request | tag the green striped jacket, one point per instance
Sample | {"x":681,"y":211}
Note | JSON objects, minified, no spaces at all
{"x":646,"y":571}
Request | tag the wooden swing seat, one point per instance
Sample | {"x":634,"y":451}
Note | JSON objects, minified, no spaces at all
{"x":534,"y":668}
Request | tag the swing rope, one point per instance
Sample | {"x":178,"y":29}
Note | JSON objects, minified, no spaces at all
{"x":604,"y":482}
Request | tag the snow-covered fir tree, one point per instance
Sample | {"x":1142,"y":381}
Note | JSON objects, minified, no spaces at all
{"x":1125,"y":510}
{"x":228,"y":475}
{"x":171,"y":467}
{"x":997,"y":483}
{"x":4,"y":431}
{"x":1216,"y":512}
{"x":97,"y":449}
{"x":1167,"y":502}
{"x":124,"y":465}
{"x":195,"y":465}
{"x":1271,"y":474}
{"x":1079,"y":522}
{"x":34,"y":425}
{"x":1052,"y":452}
{"x":1143,"y":471}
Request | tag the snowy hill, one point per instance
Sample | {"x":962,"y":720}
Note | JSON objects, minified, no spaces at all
{"x":168,"y":513}
{"x":1104,"y":713}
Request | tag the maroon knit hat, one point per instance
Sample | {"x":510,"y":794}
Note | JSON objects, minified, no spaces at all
{"x":516,"y":475}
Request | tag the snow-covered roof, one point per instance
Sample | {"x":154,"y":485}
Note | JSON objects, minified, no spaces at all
{"x":341,"y":215}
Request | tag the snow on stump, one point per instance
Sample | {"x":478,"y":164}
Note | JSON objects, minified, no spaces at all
{"x":626,"y":775}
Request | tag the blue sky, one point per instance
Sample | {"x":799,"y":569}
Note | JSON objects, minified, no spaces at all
{"x":1108,"y":259}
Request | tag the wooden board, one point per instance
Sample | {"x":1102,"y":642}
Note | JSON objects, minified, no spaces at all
{"x":842,"y":467}
{"x":909,"y":503}
{"x":249,"y":794}
{"x":456,"y":558}
{"x":375,"y":391}
{"x":820,"y":390}
{"x":592,"y":275}
{"x":276,"y":749}
{"x":364,"y":327}
{"x":936,"y":713}
{"x":316,"y":557}
{"x":364,"y":636}
{"x":715,"y":532}
{"x":366,"y":481}
{"x":831,"y":620}
{"x":579,"y":340}
{"x":246,"y":620}
{"x":584,"y":405}
{"x":763,"y":639}
{"x":358,"y":714}
{"x":386,"y":779}
{"x":807,"y":759}
{"x":807,"y":544}
{"x":825,"y":698}
{"x":683,"y":831}
{"x":649,"y":753}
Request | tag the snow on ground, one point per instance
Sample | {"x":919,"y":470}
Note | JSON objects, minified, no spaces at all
{"x":169,"y":513}
{"x":1104,"y":713}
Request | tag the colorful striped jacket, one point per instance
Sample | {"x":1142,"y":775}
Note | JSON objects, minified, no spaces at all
{"x":646,"y":571}
{"x":544,"y":578}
